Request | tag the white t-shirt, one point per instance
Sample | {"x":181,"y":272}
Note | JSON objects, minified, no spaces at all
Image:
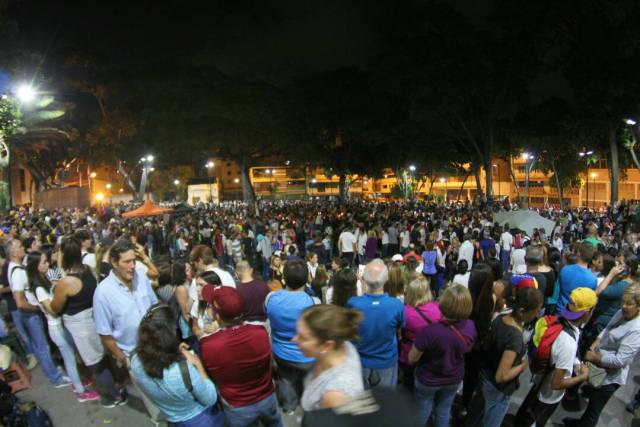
{"x":462,"y":279}
{"x":517,"y":260}
{"x":563,"y":356}
{"x":347,"y":240}
{"x":43,"y":295}
{"x":17,"y":277}
{"x":405,"y":239}
{"x":506,"y":241}
{"x":89,"y":260}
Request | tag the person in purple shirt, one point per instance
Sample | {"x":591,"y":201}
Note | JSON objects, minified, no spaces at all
{"x":419,"y":311}
{"x":438,"y":353}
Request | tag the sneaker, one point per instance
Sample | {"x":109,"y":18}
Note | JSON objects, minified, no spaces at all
{"x":32,"y":362}
{"x":107,"y":403}
{"x":88,"y":396}
{"x":88,"y":382}
{"x":633,"y":406}
{"x":64,"y":382}
{"x":122,"y":400}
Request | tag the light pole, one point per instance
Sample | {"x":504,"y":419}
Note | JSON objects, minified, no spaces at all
{"x":108,"y":187}
{"x":593,"y":177}
{"x":147,"y":166}
{"x":209,"y":165}
{"x":529,"y":161}
{"x":443,"y":180}
{"x":585,"y":154}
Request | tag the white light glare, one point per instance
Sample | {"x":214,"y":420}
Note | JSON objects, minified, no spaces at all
{"x":25,"y":93}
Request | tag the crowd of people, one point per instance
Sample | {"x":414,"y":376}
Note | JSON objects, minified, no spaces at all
{"x":237,"y":314}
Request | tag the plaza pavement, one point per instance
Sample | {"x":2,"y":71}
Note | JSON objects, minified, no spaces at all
{"x":65,"y":410}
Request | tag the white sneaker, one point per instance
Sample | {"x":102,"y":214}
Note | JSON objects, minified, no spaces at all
{"x":64,"y":382}
{"x":32,"y":362}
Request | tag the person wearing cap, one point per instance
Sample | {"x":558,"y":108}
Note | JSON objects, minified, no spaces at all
{"x":238,"y":359}
{"x":614,"y":351}
{"x":549,"y":388}
{"x":396,"y":258}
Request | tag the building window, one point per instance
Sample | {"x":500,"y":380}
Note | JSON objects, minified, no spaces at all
{"x":228,"y":164}
{"x":229,"y":173}
{"x":23,"y":181}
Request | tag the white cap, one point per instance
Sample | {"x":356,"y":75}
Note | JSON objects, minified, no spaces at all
{"x":396,"y":257}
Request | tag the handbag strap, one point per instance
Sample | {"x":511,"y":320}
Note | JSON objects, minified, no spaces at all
{"x":423,"y":316}
{"x":459,"y":335}
{"x":186,"y":377}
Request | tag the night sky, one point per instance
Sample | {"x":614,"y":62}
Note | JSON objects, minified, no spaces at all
{"x":263,"y":40}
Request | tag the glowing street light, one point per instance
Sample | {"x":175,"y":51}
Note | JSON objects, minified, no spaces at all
{"x":313,"y":180}
{"x":209,"y":164}
{"x":526,"y":156}
{"x":630,"y":122}
{"x":443,"y":180}
{"x":108,"y":186}
{"x":99,"y":197}
{"x":237,"y":180}
{"x":412,"y":168}
{"x":176,"y":182}
{"x":93,"y":175}
{"x":25,"y":93}
{"x":122,"y":190}
{"x":594,"y":175}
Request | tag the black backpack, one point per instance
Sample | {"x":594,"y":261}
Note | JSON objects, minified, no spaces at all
{"x":14,"y":413}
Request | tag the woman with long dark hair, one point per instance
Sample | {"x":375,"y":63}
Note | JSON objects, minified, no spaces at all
{"x":170,"y":375}
{"x":39,"y":286}
{"x":342,"y":286}
{"x":484,"y":305}
{"x":73,"y":297}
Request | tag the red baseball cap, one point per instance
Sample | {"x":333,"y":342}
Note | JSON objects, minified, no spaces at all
{"x":228,"y":302}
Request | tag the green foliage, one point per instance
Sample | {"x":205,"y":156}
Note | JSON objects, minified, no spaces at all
{"x":9,"y":116}
{"x":162,"y":182}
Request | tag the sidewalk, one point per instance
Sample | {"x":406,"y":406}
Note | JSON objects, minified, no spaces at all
{"x":65,"y":410}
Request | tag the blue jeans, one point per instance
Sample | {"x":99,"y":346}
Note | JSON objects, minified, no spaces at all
{"x":38,"y":342}
{"x":441,"y":397}
{"x":504,"y":259}
{"x":264,"y":411}
{"x":210,"y":417}
{"x":496,"y":404}
{"x":64,"y":342}
{"x":22,"y":330}
{"x":385,"y":377}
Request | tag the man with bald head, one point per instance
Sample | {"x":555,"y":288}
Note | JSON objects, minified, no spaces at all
{"x":378,"y":332}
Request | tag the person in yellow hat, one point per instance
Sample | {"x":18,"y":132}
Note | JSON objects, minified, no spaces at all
{"x":548,"y":391}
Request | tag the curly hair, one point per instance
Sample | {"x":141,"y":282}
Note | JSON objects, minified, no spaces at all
{"x":158,"y":343}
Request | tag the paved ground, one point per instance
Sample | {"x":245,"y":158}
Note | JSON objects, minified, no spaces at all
{"x":66,"y":411}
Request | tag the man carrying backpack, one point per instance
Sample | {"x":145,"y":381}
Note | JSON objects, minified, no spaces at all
{"x":552,"y":358}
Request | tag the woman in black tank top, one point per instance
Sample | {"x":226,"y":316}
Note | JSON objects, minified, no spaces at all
{"x":84,"y":298}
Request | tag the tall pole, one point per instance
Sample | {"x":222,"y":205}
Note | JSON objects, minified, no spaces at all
{"x":587,"y":185}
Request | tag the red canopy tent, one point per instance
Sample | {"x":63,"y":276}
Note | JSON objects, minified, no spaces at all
{"x":147,"y":209}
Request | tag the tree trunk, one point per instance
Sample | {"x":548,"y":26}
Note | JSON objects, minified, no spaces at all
{"x":464,"y":181}
{"x":558,"y":185}
{"x":476,"y":172}
{"x":248,"y":193}
{"x":615,"y":165}
{"x":488,"y":177}
{"x":342,"y":187}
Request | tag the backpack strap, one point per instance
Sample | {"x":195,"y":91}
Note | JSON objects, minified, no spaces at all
{"x":186,"y":377}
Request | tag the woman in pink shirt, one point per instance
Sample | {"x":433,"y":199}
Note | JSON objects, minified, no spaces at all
{"x":419,"y":311}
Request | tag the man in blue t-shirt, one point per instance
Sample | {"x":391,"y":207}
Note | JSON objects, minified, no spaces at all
{"x":284,"y":308}
{"x":383,"y":316}
{"x":577,"y":275}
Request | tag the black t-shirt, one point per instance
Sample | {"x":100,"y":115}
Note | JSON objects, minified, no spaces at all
{"x":503,"y":337}
{"x":8,"y":297}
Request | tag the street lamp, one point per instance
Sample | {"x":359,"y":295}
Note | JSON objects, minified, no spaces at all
{"x":176,"y":182}
{"x":594,"y":175}
{"x":630,"y":121}
{"x":209,"y":165}
{"x":443,"y":180}
{"x":108,"y":186}
{"x":585,"y":154}
{"x":412,"y":168}
{"x":529,"y":160}
{"x":25,"y":93}
{"x":147,"y":167}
